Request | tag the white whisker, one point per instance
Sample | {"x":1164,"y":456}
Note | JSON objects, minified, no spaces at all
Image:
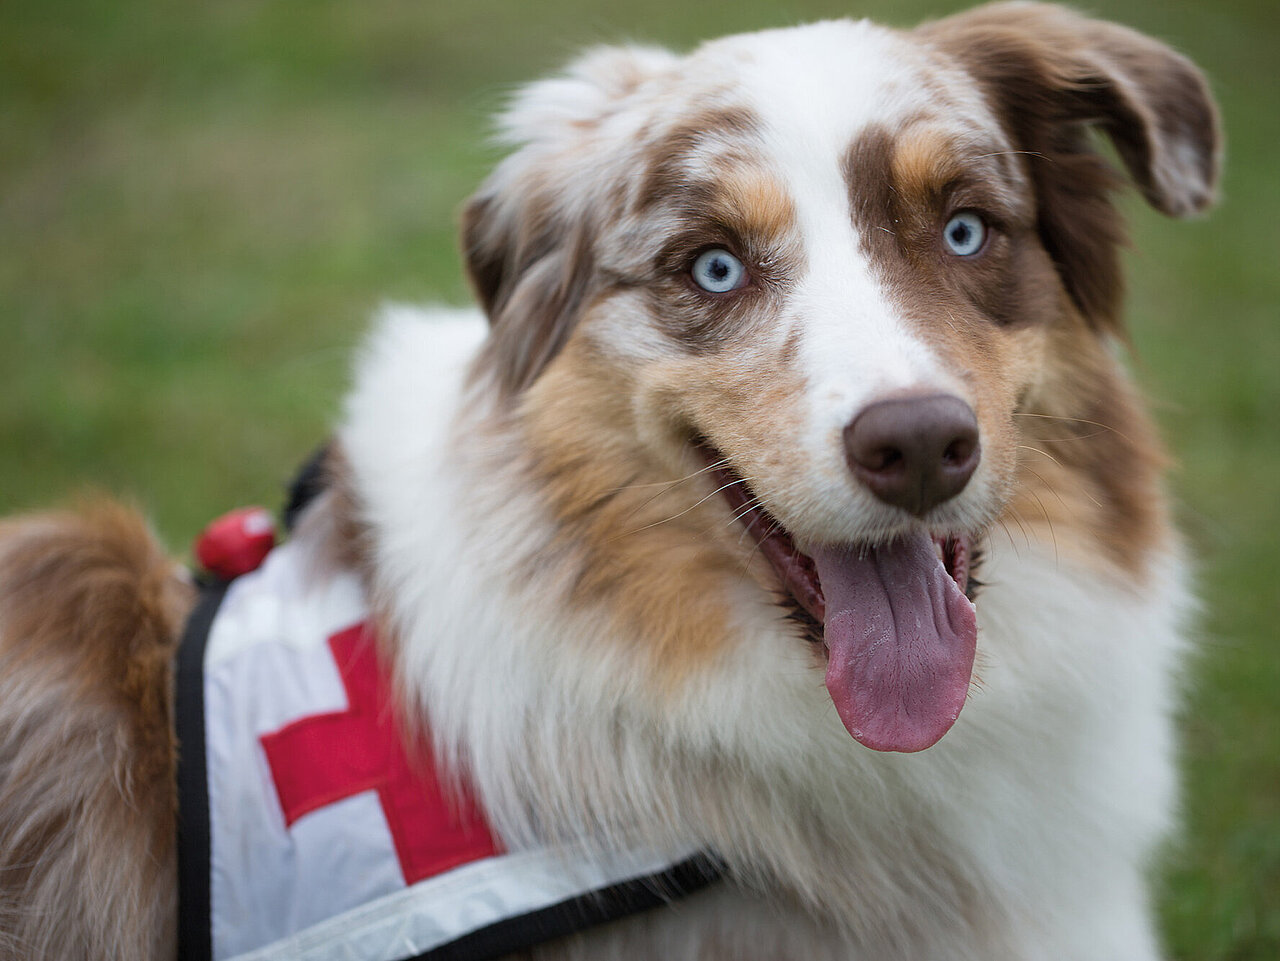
{"x":699,"y":503}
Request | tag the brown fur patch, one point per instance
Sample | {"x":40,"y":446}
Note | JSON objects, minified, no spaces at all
{"x":623,"y":543}
{"x":648,"y":545}
{"x":90,"y":610}
{"x":1089,"y":463}
{"x":755,"y":205}
{"x":665,"y":165}
{"x":531,"y":268}
{"x":904,"y":186}
{"x":924,"y":162}
{"x":742,"y":208}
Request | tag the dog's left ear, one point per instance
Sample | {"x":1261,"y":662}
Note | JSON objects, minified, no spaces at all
{"x":527,"y":233}
{"x":1052,"y":74}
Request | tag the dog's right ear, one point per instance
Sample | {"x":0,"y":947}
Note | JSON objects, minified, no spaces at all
{"x":528,"y":232}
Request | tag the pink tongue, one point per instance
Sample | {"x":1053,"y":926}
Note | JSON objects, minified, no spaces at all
{"x":900,"y":638}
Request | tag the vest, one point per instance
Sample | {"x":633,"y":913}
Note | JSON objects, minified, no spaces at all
{"x":311,"y":829}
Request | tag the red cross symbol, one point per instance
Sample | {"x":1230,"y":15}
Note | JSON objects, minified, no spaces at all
{"x":320,"y":760}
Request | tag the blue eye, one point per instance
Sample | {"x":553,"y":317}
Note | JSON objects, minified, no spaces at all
{"x":965,"y":233}
{"x":717,"y":271}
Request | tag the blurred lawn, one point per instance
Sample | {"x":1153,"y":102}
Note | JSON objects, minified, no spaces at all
{"x":200,"y":203}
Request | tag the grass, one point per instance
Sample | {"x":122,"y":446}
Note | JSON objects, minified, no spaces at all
{"x":200,"y":203}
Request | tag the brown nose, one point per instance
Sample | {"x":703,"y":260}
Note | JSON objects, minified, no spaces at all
{"x":914,"y":452}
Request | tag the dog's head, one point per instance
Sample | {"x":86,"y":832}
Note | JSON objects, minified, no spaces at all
{"x":827,"y":273}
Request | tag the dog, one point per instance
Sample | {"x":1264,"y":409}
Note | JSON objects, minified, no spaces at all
{"x":788,"y":514}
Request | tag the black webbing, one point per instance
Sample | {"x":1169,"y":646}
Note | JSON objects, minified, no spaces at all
{"x":195,"y":941}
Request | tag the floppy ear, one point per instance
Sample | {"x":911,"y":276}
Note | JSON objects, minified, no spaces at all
{"x":1052,"y":75}
{"x":527,"y":233}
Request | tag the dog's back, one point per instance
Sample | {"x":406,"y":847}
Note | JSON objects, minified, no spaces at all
{"x":90,"y":609}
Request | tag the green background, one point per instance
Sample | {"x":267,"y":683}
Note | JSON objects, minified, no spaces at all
{"x":200,"y":204}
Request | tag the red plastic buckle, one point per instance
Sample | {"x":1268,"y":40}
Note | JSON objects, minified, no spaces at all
{"x":237,"y":542}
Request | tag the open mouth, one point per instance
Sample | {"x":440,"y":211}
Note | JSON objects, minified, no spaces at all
{"x":896,"y":620}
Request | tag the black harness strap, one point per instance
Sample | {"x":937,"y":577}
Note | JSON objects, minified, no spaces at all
{"x":309,"y":483}
{"x":581,"y":913}
{"x":195,"y":940}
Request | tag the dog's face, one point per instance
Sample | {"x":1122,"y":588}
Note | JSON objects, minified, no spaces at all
{"x":827,"y":274}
